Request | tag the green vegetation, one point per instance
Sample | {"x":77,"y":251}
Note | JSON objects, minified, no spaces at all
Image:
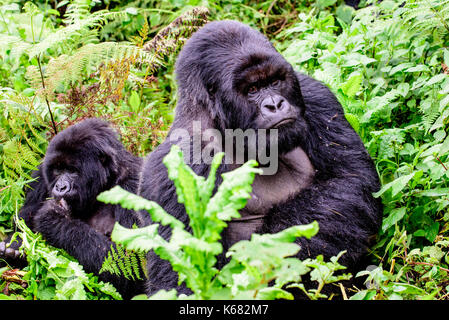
{"x":254,"y":264}
{"x":387,"y":63}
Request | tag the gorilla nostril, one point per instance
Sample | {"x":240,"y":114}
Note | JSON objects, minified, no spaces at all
{"x":270,"y":107}
{"x":281,"y":105}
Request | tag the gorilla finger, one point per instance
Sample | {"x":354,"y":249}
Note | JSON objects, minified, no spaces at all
{"x":2,"y":248}
{"x":12,"y":253}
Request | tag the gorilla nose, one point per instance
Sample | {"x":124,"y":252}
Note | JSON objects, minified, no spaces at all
{"x":273,"y":104}
{"x":61,"y":188}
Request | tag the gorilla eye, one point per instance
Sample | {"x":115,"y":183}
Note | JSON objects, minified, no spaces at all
{"x":276,"y":82}
{"x":252,"y":89}
{"x":71,"y":169}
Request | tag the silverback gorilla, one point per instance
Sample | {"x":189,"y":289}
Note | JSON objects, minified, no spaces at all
{"x":231,"y":77}
{"x":82,"y":161}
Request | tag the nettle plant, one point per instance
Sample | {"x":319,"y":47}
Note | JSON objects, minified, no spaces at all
{"x":261,"y":268}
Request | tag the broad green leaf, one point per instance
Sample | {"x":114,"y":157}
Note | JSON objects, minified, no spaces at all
{"x":290,"y":234}
{"x":128,"y":200}
{"x":363,"y":295}
{"x":403,"y":89}
{"x":321,"y":4}
{"x":418,"y":68}
{"x":446,"y":56}
{"x":155,"y":18}
{"x":266,"y":247}
{"x":184,"y":239}
{"x":394,"y":216}
{"x":444,"y":147}
{"x":352,"y":85}
{"x":134,"y":101}
{"x":209,"y":185}
{"x":444,"y":102}
{"x":436,"y":79}
{"x":188,"y":186}
{"x":432,"y":231}
{"x":291,"y":270}
{"x":272,"y":293}
{"x":345,"y":13}
{"x":144,"y":239}
{"x":353,"y":121}
{"x":400,"y":67}
{"x":261,"y":250}
{"x":396,"y":185}
{"x":233,"y":193}
{"x":165,"y":295}
{"x":437,"y":192}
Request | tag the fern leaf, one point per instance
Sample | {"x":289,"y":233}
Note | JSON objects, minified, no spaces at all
{"x":126,"y":263}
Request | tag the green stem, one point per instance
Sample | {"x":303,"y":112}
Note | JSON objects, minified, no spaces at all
{"x":42,"y":79}
{"x":45,"y":95}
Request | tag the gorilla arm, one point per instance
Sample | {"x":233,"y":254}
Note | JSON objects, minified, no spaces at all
{"x":81,"y":241}
{"x":35,"y":197}
{"x":340,"y":198}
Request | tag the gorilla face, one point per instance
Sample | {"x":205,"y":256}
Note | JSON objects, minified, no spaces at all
{"x":79,"y":166}
{"x":270,"y":94}
{"x":77,"y":182}
{"x":265,"y":92}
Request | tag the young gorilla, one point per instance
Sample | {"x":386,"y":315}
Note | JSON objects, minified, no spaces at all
{"x":82,"y":161}
{"x":229,"y":77}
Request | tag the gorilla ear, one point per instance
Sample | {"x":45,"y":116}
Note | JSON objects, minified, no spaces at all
{"x":109,"y":159}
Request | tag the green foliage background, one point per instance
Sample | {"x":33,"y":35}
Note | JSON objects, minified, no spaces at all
{"x":387,"y":62}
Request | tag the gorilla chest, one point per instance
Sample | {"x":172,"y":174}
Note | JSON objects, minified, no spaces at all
{"x":295,"y":172}
{"x":103,"y":220}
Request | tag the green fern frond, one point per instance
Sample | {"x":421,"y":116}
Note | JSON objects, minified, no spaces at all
{"x":66,"y":70}
{"x":427,"y":14}
{"x":34,"y":77}
{"x":3,"y":134}
{"x":121,"y":262}
{"x":18,"y":45}
{"x":12,"y":163}
{"x":430,"y":115}
{"x":76,"y":10}
{"x":35,"y":135}
{"x":173,"y":36}
{"x":80,"y":27}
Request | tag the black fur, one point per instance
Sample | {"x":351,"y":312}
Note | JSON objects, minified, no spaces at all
{"x":92,"y":150}
{"x":353,"y":3}
{"x":340,"y":195}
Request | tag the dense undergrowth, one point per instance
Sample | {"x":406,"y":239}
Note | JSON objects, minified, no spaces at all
{"x":386,"y":62}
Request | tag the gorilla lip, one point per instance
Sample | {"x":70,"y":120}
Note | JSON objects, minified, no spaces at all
{"x":282,"y":122}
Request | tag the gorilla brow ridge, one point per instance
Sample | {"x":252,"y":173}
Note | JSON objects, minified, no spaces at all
{"x":261,"y":72}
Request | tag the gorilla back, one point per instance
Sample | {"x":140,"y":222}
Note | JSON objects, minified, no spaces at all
{"x":231,"y":77}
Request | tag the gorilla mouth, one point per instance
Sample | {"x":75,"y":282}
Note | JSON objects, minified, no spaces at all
{"x":283,"y":122}
{"x":63,"y":204}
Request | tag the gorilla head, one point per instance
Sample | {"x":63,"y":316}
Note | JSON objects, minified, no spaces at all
{"x":81,"y":163}
{"x":233,"y":73}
